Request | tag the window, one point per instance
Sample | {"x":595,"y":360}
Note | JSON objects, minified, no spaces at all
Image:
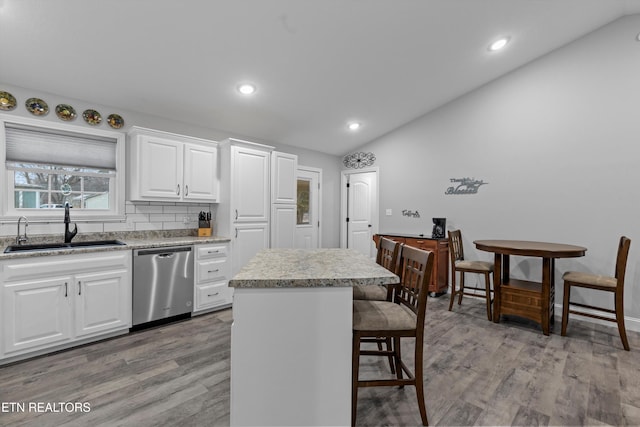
{"x":304,"y":189}
{"x":47,"y":167}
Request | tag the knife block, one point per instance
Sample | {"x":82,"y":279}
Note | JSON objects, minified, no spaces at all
{"x":204,"y":228}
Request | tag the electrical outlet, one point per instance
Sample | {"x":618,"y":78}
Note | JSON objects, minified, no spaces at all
{"x":389,"y":212}
{"x":185,"y":220}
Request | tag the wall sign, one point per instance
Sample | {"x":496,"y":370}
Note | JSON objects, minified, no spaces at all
{"x":359,"y":160}
{"x":465,"y":186}
{"x":412,"y":214}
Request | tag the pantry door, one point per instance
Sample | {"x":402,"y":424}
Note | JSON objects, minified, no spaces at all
{"x":360,"y":210}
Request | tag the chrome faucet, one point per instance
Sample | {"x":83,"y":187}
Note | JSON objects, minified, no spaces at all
{"x":22,"y":239}
{"x":68,"y":235}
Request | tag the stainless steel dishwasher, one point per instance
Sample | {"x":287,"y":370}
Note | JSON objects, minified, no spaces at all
{"x":162,"y":283}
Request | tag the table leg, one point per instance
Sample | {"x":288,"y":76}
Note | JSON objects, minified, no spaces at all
{"x":497,"y":281}
{"x":546,"y":296}
{"x":552,"y":293}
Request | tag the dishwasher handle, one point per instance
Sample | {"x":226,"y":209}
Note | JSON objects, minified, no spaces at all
{"x":163,"y":252}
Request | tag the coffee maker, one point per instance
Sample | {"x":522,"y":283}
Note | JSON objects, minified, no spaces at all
{"x":439,"y":226}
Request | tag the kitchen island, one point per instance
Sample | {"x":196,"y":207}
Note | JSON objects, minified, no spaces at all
{"x":291,"y":335}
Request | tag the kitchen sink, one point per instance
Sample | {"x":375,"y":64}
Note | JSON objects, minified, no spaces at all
{"x":54,"y":246}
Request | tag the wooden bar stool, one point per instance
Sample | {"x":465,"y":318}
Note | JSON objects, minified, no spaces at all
{"x":402,"y":317}
{"x":388,"y":256}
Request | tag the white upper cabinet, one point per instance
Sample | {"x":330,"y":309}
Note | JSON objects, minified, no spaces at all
{"x":284,"y":168}
{"x":200,"y":178}
{"x":250,"y":184}
{"x":168,"y":167}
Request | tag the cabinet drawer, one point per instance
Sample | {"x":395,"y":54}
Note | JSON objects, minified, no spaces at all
{"x":212,"y":251}
{"x":212,"y":294}
{"x":212,"y":269}
{"x":427,"y":245}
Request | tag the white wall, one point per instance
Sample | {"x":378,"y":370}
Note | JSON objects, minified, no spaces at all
{"x":558,"y":142}
{"x":159,"y":216}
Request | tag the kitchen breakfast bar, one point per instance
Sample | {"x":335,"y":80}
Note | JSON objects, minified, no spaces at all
{"x":291,"y":335}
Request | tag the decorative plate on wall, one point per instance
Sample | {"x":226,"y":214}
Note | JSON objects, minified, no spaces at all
{"x":65,"y":112}
{"x":7,"y":101}
{"x":115,"y":121}
{"x":37,"y":106}
{"x":92,"y":117}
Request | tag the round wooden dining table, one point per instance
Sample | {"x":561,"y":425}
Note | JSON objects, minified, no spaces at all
{"x":532,"y":300}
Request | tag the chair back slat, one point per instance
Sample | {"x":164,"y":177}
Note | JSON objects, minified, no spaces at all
{"x":621,"y":260}
{"x":455,"y":246}
{"x":416,"y":266}
{"x":387,"y":255}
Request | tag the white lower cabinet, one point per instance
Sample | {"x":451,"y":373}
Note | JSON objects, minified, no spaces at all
{"x":213,"y":268}
{"x":36,"y":313}
{"x":102,"y":301}
{"x":57,"y":300}
{"x":283,"y":226}
{"x":249,"y":240}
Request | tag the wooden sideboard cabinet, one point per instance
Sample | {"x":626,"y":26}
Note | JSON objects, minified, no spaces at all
{"x":440,"y":247}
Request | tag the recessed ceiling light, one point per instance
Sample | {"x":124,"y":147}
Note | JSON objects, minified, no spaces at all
{"x":353,"y":126}
{"x":499,"y":44}
{"x":246,"y":89}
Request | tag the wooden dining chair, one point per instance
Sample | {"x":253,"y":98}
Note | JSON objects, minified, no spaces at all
{"x":462,"y":266}
{"x":402,"y":317}
{"x":388,"y":256}
{"x":611,"y":284}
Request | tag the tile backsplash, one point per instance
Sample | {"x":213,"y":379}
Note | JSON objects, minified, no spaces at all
{"x":140,"y":216}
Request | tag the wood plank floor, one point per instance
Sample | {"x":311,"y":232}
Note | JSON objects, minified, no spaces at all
{"x":476,"y":373}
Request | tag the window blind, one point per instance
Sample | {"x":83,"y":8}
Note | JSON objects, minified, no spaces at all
{"x":25,"y":144}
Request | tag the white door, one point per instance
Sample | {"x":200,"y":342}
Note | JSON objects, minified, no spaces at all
{"x":200,"y":173}
{"x":248,"y":240}
{"x":361,"y":211}
{"x":36,"y":313}
{"x":103,"y":301}
{"x":307,"y":234}
{"x":250,"y":185}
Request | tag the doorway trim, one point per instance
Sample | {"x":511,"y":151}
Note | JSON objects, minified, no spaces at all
{"x":344,"y":177}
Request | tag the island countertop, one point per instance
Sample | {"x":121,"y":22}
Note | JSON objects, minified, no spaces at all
{"x":307,"y":268}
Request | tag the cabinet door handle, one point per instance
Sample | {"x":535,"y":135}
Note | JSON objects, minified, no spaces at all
{"x":213,"y":252}
{"x":236,"y":213}
{"x":213,"y":271}
{"x":79,"y":288}
{"x":213,"y":295}
{"x":186,"y":190}
{"x":178,"y":190}
{"x":66,"y":289}
{"x":236,"y":233}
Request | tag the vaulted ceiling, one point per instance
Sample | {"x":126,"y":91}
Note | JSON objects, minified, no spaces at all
{"x":317,"y":64}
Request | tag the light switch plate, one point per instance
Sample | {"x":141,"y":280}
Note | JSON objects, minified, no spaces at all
{"x":389,"y":212}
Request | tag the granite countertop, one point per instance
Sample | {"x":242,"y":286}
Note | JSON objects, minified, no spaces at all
{"x":132,"y":240}
{"x":307,"y":268}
